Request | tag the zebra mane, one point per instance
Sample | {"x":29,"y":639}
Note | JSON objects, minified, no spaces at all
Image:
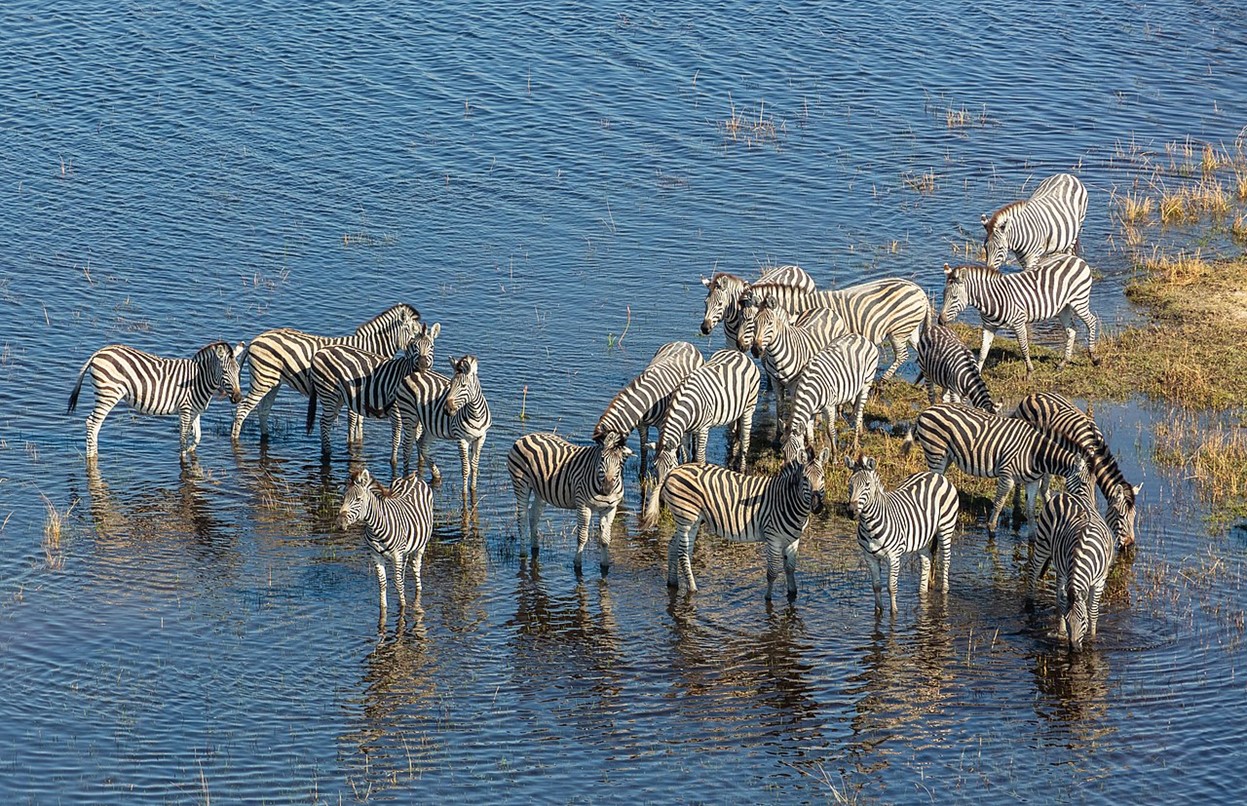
{"x":212,"y":345}
{"x":990,"y":222}
{"x":389,"y":313}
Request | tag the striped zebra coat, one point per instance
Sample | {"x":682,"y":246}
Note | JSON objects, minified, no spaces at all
{"x":1072,"y":537}
{"x":723,"y":391}
{"x":724,"y":291}
{"x":769,"y":509}
{"x":1055,"y":414}
{"x":366,"y":383}
{"x":1059,"y":287}
{"x":987,"y":445}
{"x":285,"y":355}
{"x":1048,"y":222}
{"x":152,"y":384}
{"x":398,"y":523}
{"x":842,"y":372}
{"x":432,"y":406}
{"x":643,"y":402}
{"x":920,"y":515}
{"x":547,"y":469}
{"x":944,"y":361}
{"x":786,"y":344}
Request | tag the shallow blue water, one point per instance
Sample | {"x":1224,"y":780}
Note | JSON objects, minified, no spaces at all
{"x":540,"y":179}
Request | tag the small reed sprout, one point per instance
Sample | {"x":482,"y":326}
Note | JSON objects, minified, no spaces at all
{"x":921,"y":183}
{"x":1135,"y":208}
{"x":752,"y":130}
{"x":963,"y":118}
{"x":53,"y":554}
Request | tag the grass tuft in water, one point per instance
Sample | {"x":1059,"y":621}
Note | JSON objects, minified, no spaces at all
{"x":53,"y":553}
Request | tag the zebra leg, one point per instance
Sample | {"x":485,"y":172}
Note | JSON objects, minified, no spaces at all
{"x":265,"y":409}
{"x":699,"y":447}
{"x":924,"y":577}
{"x":582,"y":537}
{"x":378,"y":564}
{"x":1093,"y":611}
{"x":417,"y":563}
{"x":355,"y":428}
{"x":790,"y":567}
{"x":872,"y":563}
{"x":985,"y":348}
{"x":894,"y":570}
{"x":946,"y":548}
{"x":774,"y":562}
{"x":477,"y":446}
{"x":680,"y":555}
{"x":858,"y":413}
{"x":328,"y":413}
{"x":900,"y":352}
{"x":1093,"y":329}
{"x":396,"y":437}
{"x":103,"y":405}
{"x":1024,"y":344}
{"x":1004,"y":486}
{"x":256,"y":397}
{"x":605,"y":520}
{"x":435,"y":474}
{"x":534,"y":515}
{"x":643,"y":433}
{"x":744,"y":428}
{"x":465,"y":461}
{"x":1067,"y":321}
{"x":400,"y":580}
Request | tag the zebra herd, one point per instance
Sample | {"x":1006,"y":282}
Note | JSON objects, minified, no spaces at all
{"x":819,"y":350}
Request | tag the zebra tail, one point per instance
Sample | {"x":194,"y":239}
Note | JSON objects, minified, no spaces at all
{"x":649,"y":508}
{"x":311,"y":407}
{"x":1073,"y":622}
{"x":73,"y":396}
{"x":908,"y":443}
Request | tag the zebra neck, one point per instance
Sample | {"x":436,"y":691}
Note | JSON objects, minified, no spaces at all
{"x":871,"y":516}
{"x":790,"y":349}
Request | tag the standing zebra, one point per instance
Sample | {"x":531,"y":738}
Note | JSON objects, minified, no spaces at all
{"x":547,"y":469}
{"x":786,"y":343}
{"x":943,"y":360}
{"x":432,"y":406}
{"x":989,"y":446}
{"x":1056,"y":415}
{"x":397,"y":525}
{"x":643,"y":402}
{"x":1059,"y":286}
{"x":155,"y":385}
{"x":286,"y":354}
{"x":724,"y":292}
{"x":1071,"y":536}
{"x":842,"y":372}
{"x":366,"y":383}
{"x":1046,"y":223}
{"x":769,"y":509}
{"x":724,"y":390}
{"x":919,"y":515}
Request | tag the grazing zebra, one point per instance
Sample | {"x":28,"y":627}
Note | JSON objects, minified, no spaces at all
{"x":432,"y":406}
{"x":989,"y":446}
{"x":944,"y":361}
{"x":918,"y":516}
{"x":398,"y":523}
{"x":724,"y":390}
{"x":643,"y":402}
{"x":769,"y":509}
{"x":842,"y":372}
{"x":1056,"y":415}
{"x":1046,"y":223}
{"x":883,"y":310}
{"x":366,"y":383}
{"x":786,"y":343}
{"x":724,"y":292}
{"x":1071,"y":536}
{"x":286,"y":355}
{"x":155,"y":385}
{"x":1060,"y":286}
{"x":547,"y":469}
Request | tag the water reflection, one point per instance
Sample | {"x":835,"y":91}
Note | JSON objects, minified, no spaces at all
{"x":1073,"y":696}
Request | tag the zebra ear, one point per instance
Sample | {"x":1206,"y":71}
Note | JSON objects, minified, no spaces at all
{"x":948,"y":270}
{"x":849,"y":463}
{"x":239,"y":349}
{"x":435,"y":330}
{"x":823,"y":456}
{"x":363,"y":478}
{"x":453,"y":364}
{"x":625,"y":451}
{"x":705,"y":281}
{"x":1138,"y":488}
{"x":869,"y":463}
{"x":984,"y":218}
{"x":651,"y":446}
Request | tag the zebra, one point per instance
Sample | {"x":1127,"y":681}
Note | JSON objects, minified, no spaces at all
{"x":786,"y":343}
{"x":398,"y":523}
{"x":724,"y":292}
{"x":1048,"y":222}
{"x":918,"y":516}
{"x":943,"y":360}
{"x":889,"y":310}
{"x":366,"y":383}
{"x":286,"y":354}
{"x":643,"y":402}
{"x":432,"y":406}
{"x":842,"y":372}
{"x":1059,"y":286}
{"x":547,"y":469}
{"x":1056,"y":415}
{"x":152,"y":384}
{"x":987,"y":445}
{"x":769,"y":509}
{"x":1071,"y":536}
{"x":724,"y":390}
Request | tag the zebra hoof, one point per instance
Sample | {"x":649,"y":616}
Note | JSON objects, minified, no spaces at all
{"x":606,"y":569}
{"x":792,"y":596}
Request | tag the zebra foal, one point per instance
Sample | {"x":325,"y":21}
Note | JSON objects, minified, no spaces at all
{"x":1048,"y":222}
{"x":547,"y":469}
{"x":152,"y":384}
{"x":919,"y":516}
{"x":842,"y":372}
{"x":772,"y":510}
{"x":398,"y":523}
{"x":1072,"y":537}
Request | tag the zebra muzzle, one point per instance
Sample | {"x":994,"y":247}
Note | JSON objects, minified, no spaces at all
{"x":816,"y":503}
{"x":344,"y":520}
{"x":706,"y":327}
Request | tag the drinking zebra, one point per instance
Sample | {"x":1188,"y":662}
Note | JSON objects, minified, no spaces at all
{"x":1060,"y":286}
{"x":152,"y":384}
{"x":1046,"y":223}
{"x":1059,"y":417}
{"x":722,"y":391}
{"x":1071,"y":536}
{"x":723,"y":299}
{"x":398,"y":523}
{"x":944,"y":361}
{"x":366,"y":383}
{"x":1011,"y":451}
{"x":432,"y":406}
{"x":643,"y":402}
{"x":786,"y":343}
{"x":917,"y":516}
{"x":768,"y":509}
{"x":286,"y":354}
{"x":547,"y":469}
{"x":842,"y":372}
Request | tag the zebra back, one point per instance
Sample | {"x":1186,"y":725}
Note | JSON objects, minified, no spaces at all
{"x":153,"y":384}
{"x":367,"y":383}
{"x":1016,"y":298}
{"x":1048,"y":222}
{"x":891,"y":308}
{"x":645,"y":398}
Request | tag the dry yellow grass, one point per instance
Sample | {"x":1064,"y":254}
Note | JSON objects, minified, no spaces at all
{"x":1135,"y":209}
{"x":54,"y":557}
{"x":922,"y":183}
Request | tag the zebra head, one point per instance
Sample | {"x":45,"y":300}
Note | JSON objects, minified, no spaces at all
{"x":813,"y":478}
{"x":358,"y":498}
{"x":1120,"y":514}
{"x":220,"y":361}
{"x":864,"y":485}
{"x":955,"y":295}
{"x":747,"y":308}
{"x":612,"y":452}
{"x":464,"y":385}
{"x":794,"y":443}
{"x":996,"y":240}
{"x":423,"y":340}
{"x":723,"y":292}
{"x":769,"y":320}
